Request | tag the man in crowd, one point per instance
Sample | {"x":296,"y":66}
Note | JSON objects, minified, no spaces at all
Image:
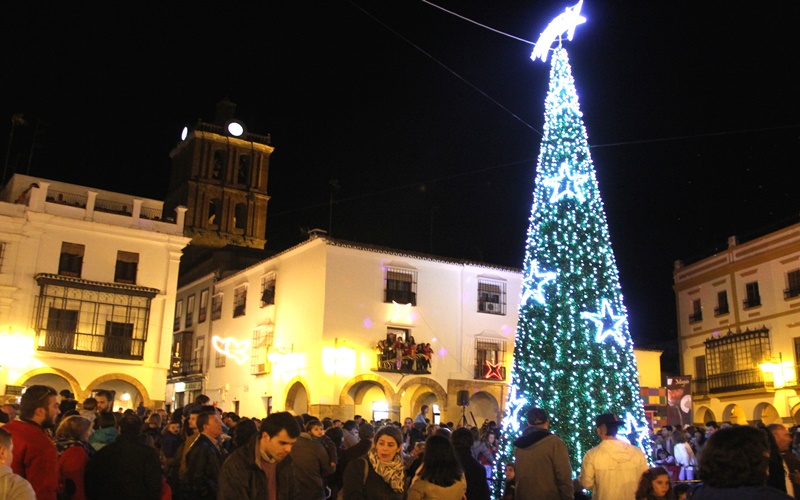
{"x":365,"y":433}
{"x":311,"y":465}
{"x":126,"y":468}
{"x":263,"y":468}
{"x":612,"y":469}
{"x":791,"y":463}
{"x":542,"y":468}
{"x":104,"y":400}
{"x":350,"y":429}
{"x":204,"y":459}
{"x":35,"y":456}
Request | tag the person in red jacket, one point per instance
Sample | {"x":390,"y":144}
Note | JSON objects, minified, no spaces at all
{"x":35,"y":455}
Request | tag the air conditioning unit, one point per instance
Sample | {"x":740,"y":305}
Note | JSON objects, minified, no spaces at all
{"x":491,"y":307}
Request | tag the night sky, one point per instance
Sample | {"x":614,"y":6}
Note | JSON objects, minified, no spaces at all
{"x":429,"y":122}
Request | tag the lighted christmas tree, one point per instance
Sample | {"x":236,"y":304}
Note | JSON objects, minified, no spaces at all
{"x":573,"y":354}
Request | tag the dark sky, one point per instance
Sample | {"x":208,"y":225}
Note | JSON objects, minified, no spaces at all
{"x":431,"y":123}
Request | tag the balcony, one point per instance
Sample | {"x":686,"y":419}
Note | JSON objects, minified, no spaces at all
{"x":418,"y":363}
{"x":401,"y":296}
{"x":185,"y":367}
{"x":791,"y":292}
{"x":741,"y":380}
{"x":721,"y":309}
{"x":86,"y":344}
{"x":751,"y":302}
{"x":696,"y":317}
{"x":699,"y":387}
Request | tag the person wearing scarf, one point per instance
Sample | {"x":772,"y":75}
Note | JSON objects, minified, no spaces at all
{"x":378,"y":475}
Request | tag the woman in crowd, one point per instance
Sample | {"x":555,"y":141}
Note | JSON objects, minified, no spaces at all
{"x":655,"y":485}
{"x":378,"y":475}
{"x":336,"y":435}
{"x":74,"y":452}
{"x":684,"y":456}
{"x":440,"y":477}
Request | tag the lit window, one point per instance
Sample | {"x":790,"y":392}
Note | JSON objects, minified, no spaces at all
{"x":490,"y":357}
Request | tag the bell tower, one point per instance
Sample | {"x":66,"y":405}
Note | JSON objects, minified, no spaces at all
{"x":220,"y":172}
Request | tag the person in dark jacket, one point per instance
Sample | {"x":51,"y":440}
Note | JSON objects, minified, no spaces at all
{"x":311,"y":466}
{"x":248,"y":472}
{"x":542,"y":467}
{"x":378,"y":475}
{"x":125,"y":469}
{"x":204,"y":459}
{"x":477,"y":486}
{"x":365,"y":434}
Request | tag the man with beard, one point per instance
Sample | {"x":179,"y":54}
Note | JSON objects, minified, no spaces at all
{"x":35,"y":456}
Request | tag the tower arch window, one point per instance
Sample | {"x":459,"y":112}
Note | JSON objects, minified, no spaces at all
{"x":218,"y":167}
{"x":240,"y":216}
{"x":243,"y":172}
{"x":214,"y":212}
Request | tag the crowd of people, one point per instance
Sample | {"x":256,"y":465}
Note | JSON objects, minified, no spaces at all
{"x":58,"y":450}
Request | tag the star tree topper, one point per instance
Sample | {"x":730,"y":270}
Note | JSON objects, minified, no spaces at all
{"x":563,"y":23}
{"x":608,"y":324}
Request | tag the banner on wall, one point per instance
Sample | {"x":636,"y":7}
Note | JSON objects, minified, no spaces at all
{"x":679,"y":400}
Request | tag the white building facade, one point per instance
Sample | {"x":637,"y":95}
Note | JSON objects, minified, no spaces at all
{"x":87,"y":290}
{"x":739,"y":329}
{"x":300,"y":331}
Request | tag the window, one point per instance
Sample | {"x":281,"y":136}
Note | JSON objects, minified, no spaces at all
{"x":189,"y":311}
{"x":697,"y":312}
{"x":753,"y":297}
{"x":796,"y":357}
{"x":71,"y":261}
{"x":176,"y":324}
{"x":119,"y":338}
{"x":793,"y":281}
{"x":216,"y":306}
{"x":262,"y":341}
{"x":2,"y":252}
{"x":220,"y":360}
{"x":490,"y":357}
{"x":491,"y":296}
{"x":182,"y":344}
{"x":201,"y":313}
{"x":198,"y":355}
{"x":732,"y":360}
{"x":219,"y":164}
{"x":722,"y":303}
{"x":240,"y":216}
{"x":243,"y":174}
{"x":125,"y":272}
{"x":268,"y":290}
{"x":214,"y":213}
{"x":239,"y":301}
{"x":61,"y":327}
{"x":401,"y":286}
{"x":700,"y":385}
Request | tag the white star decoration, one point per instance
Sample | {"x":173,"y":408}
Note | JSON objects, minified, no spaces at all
{"x":608,"y":325}
{"x":534,"y":282}
{"x":516,"y":403}
{"x":563,"y":23}
{"x":631,"y":426}
{"x":566,"y":184}
{"x":402,"y":312}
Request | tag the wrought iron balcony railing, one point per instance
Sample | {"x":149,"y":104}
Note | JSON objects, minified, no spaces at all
{"x":109,"y":346}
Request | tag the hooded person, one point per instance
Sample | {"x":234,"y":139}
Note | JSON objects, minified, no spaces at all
{"x":541,"y":461}
{"x":612,"y":469}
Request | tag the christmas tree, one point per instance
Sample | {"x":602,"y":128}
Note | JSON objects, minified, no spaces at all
{"x":573,"y":354}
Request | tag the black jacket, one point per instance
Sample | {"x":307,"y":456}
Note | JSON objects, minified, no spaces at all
{"x":203,"y":463}
{"x":242,"y":478}
{"x":373,"y":487}
{"x":477,"y":484}
{"x":124,"y":469}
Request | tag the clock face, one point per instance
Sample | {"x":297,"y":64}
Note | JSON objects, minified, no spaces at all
{"x":235,"y":128}
{"x":184,"y":133}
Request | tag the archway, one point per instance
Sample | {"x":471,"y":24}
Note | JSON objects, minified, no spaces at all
{"x":56,"y":378}
{"x":420,"y":391}
{"x":128,"y":391}
{"x":483,"y":407}
{"x":297,"y":397}
{"x":368,"y":395}
{"x":734,"y":414}
{"x":796,"y":414}
{"x":766,"y":414}
{"x":703,"y":414}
